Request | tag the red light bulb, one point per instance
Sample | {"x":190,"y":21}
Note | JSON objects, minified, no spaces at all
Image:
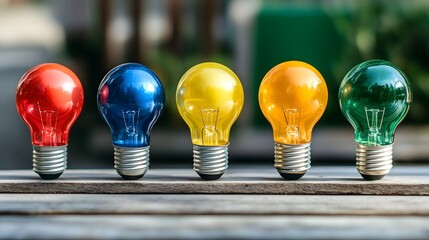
{"x":49,"y":98}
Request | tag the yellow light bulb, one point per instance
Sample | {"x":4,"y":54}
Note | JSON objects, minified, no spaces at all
{"x":209,"y":98}
{"x":293,"y":96}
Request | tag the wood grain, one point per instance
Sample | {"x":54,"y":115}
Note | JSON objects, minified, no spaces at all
{"x":213,"y":204}
{"x":247,"y":180}
{"x":212,"y":227}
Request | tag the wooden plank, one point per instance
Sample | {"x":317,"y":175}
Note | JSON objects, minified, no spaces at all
{"x":212,"y":227}
{"x":201,"y":204}
{"x":257,"y":180}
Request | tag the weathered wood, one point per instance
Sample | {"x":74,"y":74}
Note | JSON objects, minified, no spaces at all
{"x":247,"y":180}
{"x":318,"y":207}
{"x":213,"y":227}
{"x":201,"y":204}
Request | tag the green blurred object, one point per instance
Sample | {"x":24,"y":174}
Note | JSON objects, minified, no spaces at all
{"x":288,"y":32}
{"x":375,"y":97}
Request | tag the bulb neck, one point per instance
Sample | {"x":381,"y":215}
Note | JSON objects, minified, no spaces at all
{"x":210,"y":162}
{"x":49,"y":162}
{"x":131,"y":163}
{"x":374,"y":162}
{"x":292,"y":161}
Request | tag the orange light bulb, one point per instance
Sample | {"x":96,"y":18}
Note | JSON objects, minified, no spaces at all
{"x":293,"y":96}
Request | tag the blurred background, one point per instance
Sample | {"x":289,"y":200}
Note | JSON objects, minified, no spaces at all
{"x":249,"y":36}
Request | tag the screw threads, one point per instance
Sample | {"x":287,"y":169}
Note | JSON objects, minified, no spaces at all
{"x":373,"y":162}
{"x":49,"y":162}
{"x":131,"y":163}
{"x":210,"y":160}
{"x":292,"y":159}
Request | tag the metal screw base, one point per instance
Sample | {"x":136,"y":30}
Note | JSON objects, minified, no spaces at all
{"x":131,"y":163}
{"x":292,"y":161}
{"x":210,"y":162}
{"x":374,"y":162}
{"x":49,"y":162}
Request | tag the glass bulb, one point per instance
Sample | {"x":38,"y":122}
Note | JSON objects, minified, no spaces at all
{"x":293,"y":96}
{"x":374,"y":96}
{"x":131,"y":99}
{"x":209,"y":98}
{"x":49,"y":98}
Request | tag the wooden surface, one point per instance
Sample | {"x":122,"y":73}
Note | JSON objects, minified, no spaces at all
{"x":212,"y":227}
{"x":79,"y":205}
{"x":254,"y":180}
{"x":220,"y":204}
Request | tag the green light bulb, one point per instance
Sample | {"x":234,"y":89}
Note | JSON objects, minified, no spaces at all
{"x":374,"y":97}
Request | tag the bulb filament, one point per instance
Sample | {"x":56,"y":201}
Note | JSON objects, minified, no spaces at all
{"x":293,"y":119}
{"x":48,"y":119}
{"x":374,"y":118}
{"x":131,"y":120}
{"x":209,"y":117}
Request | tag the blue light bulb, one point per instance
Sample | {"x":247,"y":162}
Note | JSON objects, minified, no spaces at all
{"x":131,"y":98}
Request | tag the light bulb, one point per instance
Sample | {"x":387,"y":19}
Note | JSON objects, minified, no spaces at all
{"x":130,"y":99}
{"x":293,"y":96}
{"x":209,"y":98}
{"x":374,"y":97}
{"x":49,"y":98}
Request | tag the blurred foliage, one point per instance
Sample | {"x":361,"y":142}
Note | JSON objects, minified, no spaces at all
{"x":393,"y":30}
